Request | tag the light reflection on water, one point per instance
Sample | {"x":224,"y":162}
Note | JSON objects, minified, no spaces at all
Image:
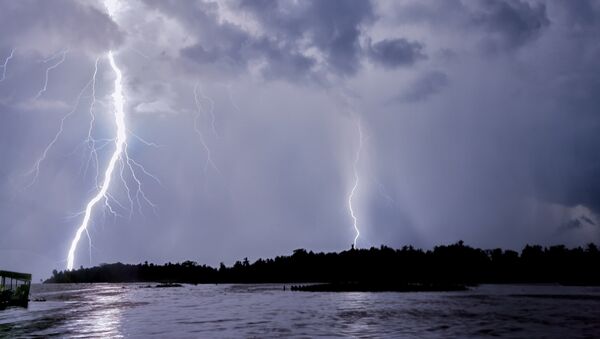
{"x":103,"y":315}
{"x":131,"y":310}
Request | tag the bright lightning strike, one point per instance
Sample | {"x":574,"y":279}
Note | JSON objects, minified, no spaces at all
{"x":120,"y":161}
{"x":120,"y":158}
{"x":355,"y":186}
{"x":120,"y":149}
{"x":12,"y":53}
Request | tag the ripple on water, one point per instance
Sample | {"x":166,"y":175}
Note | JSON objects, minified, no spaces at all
{"x":122,"y":310}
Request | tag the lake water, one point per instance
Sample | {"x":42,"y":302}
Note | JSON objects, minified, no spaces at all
{"x":263,"y":311}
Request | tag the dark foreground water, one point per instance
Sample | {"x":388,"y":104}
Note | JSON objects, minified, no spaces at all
{"x":208,"y":311}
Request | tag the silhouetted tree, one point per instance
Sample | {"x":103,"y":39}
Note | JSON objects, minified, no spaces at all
{"x":455,"y":263}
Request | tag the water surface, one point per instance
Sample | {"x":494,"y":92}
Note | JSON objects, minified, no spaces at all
{"x":208,"y":311}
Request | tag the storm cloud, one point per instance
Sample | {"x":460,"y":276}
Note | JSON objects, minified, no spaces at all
{"x":44,"y":25}
{"x":396,"y":52}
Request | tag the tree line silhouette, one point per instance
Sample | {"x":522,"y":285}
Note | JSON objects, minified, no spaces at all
{"x":448,"y":264}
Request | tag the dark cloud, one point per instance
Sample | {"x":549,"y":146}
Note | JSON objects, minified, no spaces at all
{"x":510,"y":23}
{"x":572,"y":180}
{"x":436,"y":13}
{"x":392,"y":53}
{"x":283,"y":64}
{"x":289,"y":31}
{"x":280,"y":63}
{"x":573,"y":224}
{"x":231,"y":48}
{"x":588,"y":220}
{"x":425,"y":86}
{"x":333,"y":27}
{"x":499,"y":25}
{"x":577,"y":223}
{"x":581,"y":14}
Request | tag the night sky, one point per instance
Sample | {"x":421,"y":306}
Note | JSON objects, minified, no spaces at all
{"x":480,"y":122}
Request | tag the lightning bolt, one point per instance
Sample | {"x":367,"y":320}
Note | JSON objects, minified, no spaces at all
{"x":120,"y":149}
{"x":118,"y":157}
{"x":120,"y":166}
{"x":12,"y":53}
{"x":200,"y":98}
{"x":200,"y":109}
{"x":35,"y":170}
{"x":90,"y":141}
{"x":230,"y":96}
{"x":356,"y":182}
{"x":51,"y":67}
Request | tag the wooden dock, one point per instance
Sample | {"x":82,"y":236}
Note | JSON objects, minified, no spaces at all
{"x":14,"y":289}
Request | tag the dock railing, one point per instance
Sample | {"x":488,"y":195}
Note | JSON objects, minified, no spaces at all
{"x":14,"y":288}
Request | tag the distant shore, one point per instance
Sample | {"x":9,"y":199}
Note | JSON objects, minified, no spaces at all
{"x":447,"y":267}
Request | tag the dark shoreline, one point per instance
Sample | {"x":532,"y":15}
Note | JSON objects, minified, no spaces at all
{"x":382,"y":268}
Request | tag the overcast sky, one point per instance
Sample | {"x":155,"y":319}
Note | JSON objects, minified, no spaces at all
{"x":480,"y":122}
